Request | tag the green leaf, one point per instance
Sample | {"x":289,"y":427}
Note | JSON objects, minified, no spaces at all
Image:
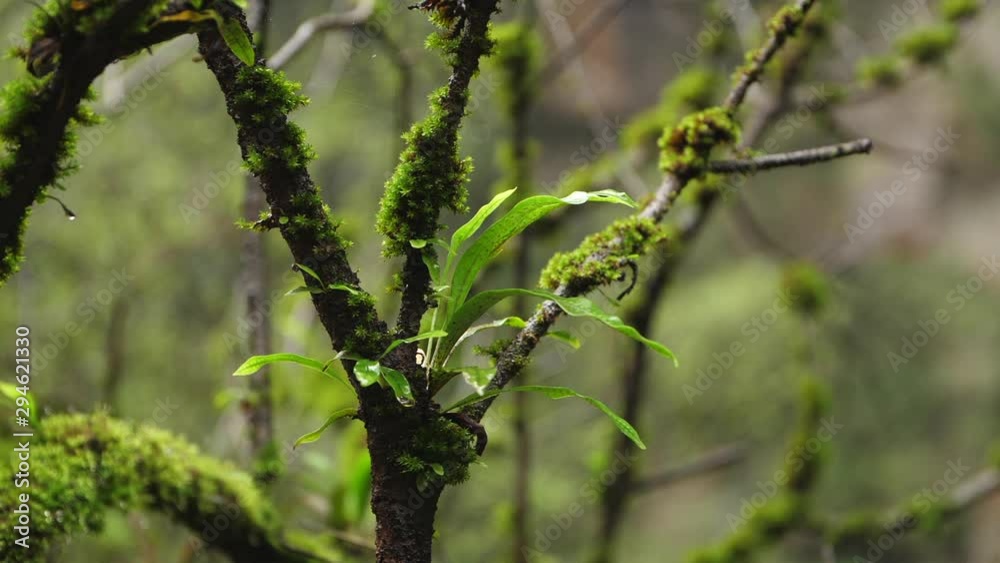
{"x":516,"y":322}
{"x":400,"y":386}
{"x":367,"y":372}
{"x":422,"y":336}
{"x":478,"y":377}
{"x":475,"y":307}
{"x":463,"y":233}
{"x":237,"y":40}
{"x":526,"y":212}
{"x":565,"y":337}
{"x":255,"y":363}
{"x":315,"y":434}
{"x":344,"y":287}
{"x":437,"y":468}
{"x":557,"y":393}
{"x":303,"y":289}
{"x":310,"y":272}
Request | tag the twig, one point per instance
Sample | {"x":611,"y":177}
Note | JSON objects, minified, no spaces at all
{"x":722,"y":458}
{"x":752,"y":73}
{"x":796,"y":158}
{"x":309,"y":28}
{"x":594,"y":26}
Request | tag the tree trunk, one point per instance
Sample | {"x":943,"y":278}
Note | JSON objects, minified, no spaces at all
{"x":404,"y":512}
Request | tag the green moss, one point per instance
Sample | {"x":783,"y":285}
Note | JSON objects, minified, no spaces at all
{"x":885,"y":71}
{"x":439,"y":452}
{"x":692,"y":90}
{"x":84,"y":465}
{"x":807,"y":287}
{"x":591,"y":265}
{"x":958,"y":10}
{"x":687,"y":147}
{"x":928,"y":44}
{"x":268,"y":97}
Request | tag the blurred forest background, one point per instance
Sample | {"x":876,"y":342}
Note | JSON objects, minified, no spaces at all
{"x":160,"y":190}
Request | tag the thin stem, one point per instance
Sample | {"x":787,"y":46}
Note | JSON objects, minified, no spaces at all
{"x":796,"y":158}
{"x":313,"y":26}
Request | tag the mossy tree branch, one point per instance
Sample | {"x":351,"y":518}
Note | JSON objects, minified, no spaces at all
{"x":431,"y":176}
{"x":258,"y":100}
{"x":41,"y":110}
{"x":85,"y":465}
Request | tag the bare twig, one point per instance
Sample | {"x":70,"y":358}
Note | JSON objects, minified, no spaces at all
{"x":796,"y":158}
{"x":722,"y":458}
{"x":319,"y":24}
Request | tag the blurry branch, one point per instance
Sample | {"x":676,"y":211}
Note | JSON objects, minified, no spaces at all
{"x":796,"y":158}
{"x":114,"y":352}
{"x":259,"y":404}
{"x":404,"y":92}
{"x":513,"y":357}
{"x":722,"y":458}
{"x":319,"y":24}
{"x":90,"y":464}
{"x":604,"y":15}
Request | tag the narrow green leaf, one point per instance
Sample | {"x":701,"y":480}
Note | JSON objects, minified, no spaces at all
{"x":526,"y":212}
{"x":237,"y":40}
{"x":557,"y":393}
{"x":400,"y":386}
{"x":310,"y":272}
{"x":463,"y":233}
{"x":315,"y":434}
{"x":344,"y":287}
{"x":437,"y":468}
{"x":303,"y":289}
{"x":565,"y":337}
{"x":516,"y":322}
{"x":367,"y":372}
{"x":478,"y":377}
{"x":475,"y":307}
{"x":255,"y":363}
{"x":422,"y":336}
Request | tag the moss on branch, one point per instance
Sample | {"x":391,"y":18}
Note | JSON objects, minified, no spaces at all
{"x":85,"y":465}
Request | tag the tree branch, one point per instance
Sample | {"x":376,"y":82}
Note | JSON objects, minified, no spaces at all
{"x":258,"y":100}
{"x":92,"y":463}
{"x":796,"y":158}
{"x":319,"y":24}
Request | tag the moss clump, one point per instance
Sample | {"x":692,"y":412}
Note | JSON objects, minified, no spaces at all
{"x":430,"y":176}
{"x":439,"y":452}
{"x":687,"y":147}
{"x":958,"y":10}
{"x":885,"y":71}
{"x":267,"y":97}
{"x":84,"y":465}
{"x":602,"y":257}
{"x":692,"y":90}
{"x":928,"y":44}
{"x":807,"y":287}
